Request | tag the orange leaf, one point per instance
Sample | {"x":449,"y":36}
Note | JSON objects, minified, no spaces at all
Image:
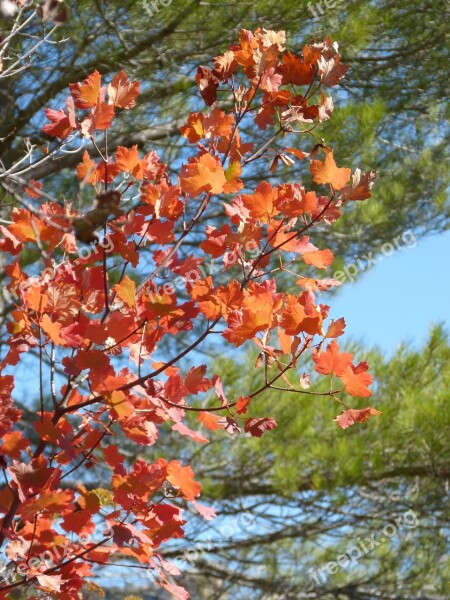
{"x":356,"y":381}
{"x":326,"y":171}
{"x":209,"y":420}
{"x":332,"y":360}
{"x":13,"y":443}
{"x":195,"y":381}
{"x":241,"y":404}
{"x":320,"y":258}
{"x":295,"y":70}
{"x":336,"y":328}
{"x":87,"y":93}
{"x":262,"y":203}
{"x":53,"y":330}
{"x":87,"y":170}
{"x":32,"y":192}
{"x":301,"y":315}
{"x":127,"y":158}
{"x":204,"y":174}
{"x":121,"y":92}
{"x":352,"y":416}
{"x":182,"y":478}
{"x":126,"y":290}
{"x":233,"y":184}
{"x":100,"y":118}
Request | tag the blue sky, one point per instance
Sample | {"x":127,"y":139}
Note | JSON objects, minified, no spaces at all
{"x":398,"y":299}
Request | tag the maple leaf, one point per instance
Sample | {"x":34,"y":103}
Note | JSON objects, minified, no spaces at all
{"x":182,"y":478}
{"x":349,"y":417}
{"x":356,"y":380}
{"x":30,"y":477}
{"x":332,"y":360}
{"x":331,"y":70}
{"x":319,"y":258}
{"x":127,"y":159}
{"x":61,"y":124}
{"x":300,"y":315}
{"x":87,"y":169}
{"x":207,"y":512}
{"x":225,"y":65}
{"x":335,"y":329}
{"x":86,"y":94}
{"x":295,"y":70}
{"x":126,"y":291}
{"x":262,"y":204}
{"x":51,"y":583}
{"x":182,"y":429}
{"x":204,"y":174}
{"x":360,"y":186}
{"x":257,"y":427}
{"x":51,"y":502}
{"x":209,"y":420}
{"x":121,"y":92}
{"x":35,"y":185}
{"x":233,"y":184}
{"x":242,"y":404}
{"x":101,"y":118}
{"x":13,"y":443}
{"x":327,"y":172}
{"x":207,"y":84}
{"x":195,"y":380}
{"x":313,"y":285}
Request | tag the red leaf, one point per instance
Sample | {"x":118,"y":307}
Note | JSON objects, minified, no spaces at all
{"x":349,"y":417}
{"x":256,"y":427}
{"x":207,"y":84}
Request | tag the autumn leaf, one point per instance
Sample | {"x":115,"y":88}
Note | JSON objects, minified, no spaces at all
{"x":361,"y":185}
{"x":356,"y":380}
{"x":332,"y":360}
{"x":182,"y":429}
{"x":61,"y":124}
{"x":262,"y":204}
{"x":86,"y":94}
{"x":204,"y":174}
{"x":182,"y":478}
{"x":320,"y":258}
{"x":349,"y":417}
{"x":209,"y":420}
{"x":207,"y":84}
{"x":195,"y":380}
{"x":326,"y":171}
{"x":13,"y":443}
{"x":295,"y":70}
{"x":126,"y":291}
{"x":121,"y":92}
{"x":335,"y":329}
{"x":257,"y":427}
